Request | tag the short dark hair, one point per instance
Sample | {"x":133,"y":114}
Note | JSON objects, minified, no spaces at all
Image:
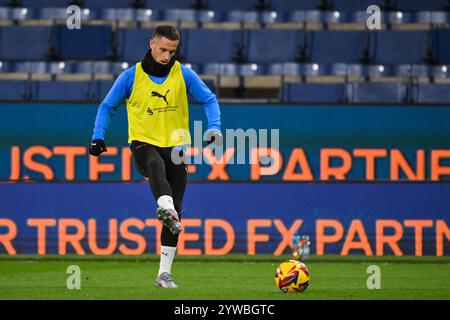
{"x":167,"y":31}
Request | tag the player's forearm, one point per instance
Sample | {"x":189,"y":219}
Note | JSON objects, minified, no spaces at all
{"x":104,"y":114}
{"x":212,"y":111}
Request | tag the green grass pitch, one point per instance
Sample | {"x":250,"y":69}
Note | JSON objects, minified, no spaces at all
{"x":234,"y":277}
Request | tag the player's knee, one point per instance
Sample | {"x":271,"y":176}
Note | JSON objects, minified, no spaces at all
{"x":154,"y":164}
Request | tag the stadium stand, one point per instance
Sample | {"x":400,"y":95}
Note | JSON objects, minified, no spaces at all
{"x":260,"y":46}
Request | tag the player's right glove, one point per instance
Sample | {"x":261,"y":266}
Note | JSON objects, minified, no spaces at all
{"x":97,"y":147}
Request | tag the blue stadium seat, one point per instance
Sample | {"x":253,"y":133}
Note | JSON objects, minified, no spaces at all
{"x":433,"y":17}
{"x":13,"y":90}
{"x":229,"y":5}
{"x":284,"y":69}
{"x":337,"y":46}
{"x":252,"y":69}
{"x":147,"y":15}
{"x":419,"y":5}
{"x":222,"y":42}
{"x":20,"y":14}
{"x":272,"y":45}
{"x":223,"y":69}
{"x":313,"y":93}
{"x":431,"y":93}
{"x":335,"y":17}
{"x":350,"y":70}
{"x":60,"y":67}
{"x":53,"y":13}
{"x":242,"y":16}
{"x":100,"y":4}
{"x":101,"y":88}
{"x":5,"y":13}
{"x":376,"y":71}
{"x":24,"y":43}
{"x":313,"y":70}
{"x":87,"y":43}
{"x":440,"y":72}
{"x":354,"y":5}
{"x":442,"y":45}
{"x":30,"y":67}
{"x":169,"y":4}
{"x":61,"y":14}
{"x":134,"y":43}
{"x":93,"y":67}
{"x":61,"y":91}
{"x":289,"y":5}
{"x":400,"y":47}
{"x":269,"y":17}
{"x":44,"y":3}
{"x":398,"y":17}
{"x":306,"y":16}
{"x":367,"y":92}
{"x":407,"y":70}
{"x":180,"y":15}
{"x":119,"y":14}
{"x":5,"y":66}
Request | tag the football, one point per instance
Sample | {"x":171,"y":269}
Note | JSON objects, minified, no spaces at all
{"x":292,"y":276}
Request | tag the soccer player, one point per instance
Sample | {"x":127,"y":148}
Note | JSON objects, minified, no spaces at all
{"x":155,"y":90}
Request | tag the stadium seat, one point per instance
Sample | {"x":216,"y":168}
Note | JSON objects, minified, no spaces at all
{"x":348,"y":72}
{"x":143,"y":15}
{"x":355,"y":5}
{"x":170,"y":4}
{"x":101,"y":4}
{"x":5,"y":66}
{"x":5,"y":13}
{"x":414,"y":71}
{"x":289,"y":5}
{"x":441,"y":73}
{"x":284,"y":69}
{"x":431,"y":93}
{"x":313,"y":93}
{"x":31,"y":67}
{"x":273,"y":46}
{"x":229,"y":5}
{"x":101,"y":89}
{"x":224,"y":42}
{"x":400,"y":47}
{"x":377,"y":92}
{"x":61,"y":14}
{"x":11,"y":90}
{"x":441,"y":45}
{"x":24,"y":43}
{"x":245,"y":17}
{"x":61,"y":91}
{"x":310,"y":16}
{"x":419,"y":5}
{"x":118,"y":14}
{"x":71,"y":44}
{"x":224,"y":69}
{"x":399,"y":17}
{"x":432,"y":17}
{"x":44,"y":3}
{"x":337,"y":46}
{"x":134,"y":43}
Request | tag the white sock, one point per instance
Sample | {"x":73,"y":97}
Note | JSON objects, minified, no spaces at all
{"x":166,"y":259}
{"x":166,"y":202}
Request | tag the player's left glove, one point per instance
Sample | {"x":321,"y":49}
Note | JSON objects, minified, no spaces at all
{"x":97,"y":147}
{"x":214,"y":136}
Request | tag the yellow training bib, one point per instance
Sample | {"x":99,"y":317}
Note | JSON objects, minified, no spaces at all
{"x":158,"y":113}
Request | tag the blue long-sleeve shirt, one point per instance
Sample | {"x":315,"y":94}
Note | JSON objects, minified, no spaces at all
{"x":123,"y":86}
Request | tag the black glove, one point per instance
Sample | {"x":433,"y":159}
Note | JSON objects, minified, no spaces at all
{"x":214,"y":136}
{"x":97,"y":147}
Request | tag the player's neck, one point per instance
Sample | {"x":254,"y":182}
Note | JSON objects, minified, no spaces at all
{"x":154,"y":68}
